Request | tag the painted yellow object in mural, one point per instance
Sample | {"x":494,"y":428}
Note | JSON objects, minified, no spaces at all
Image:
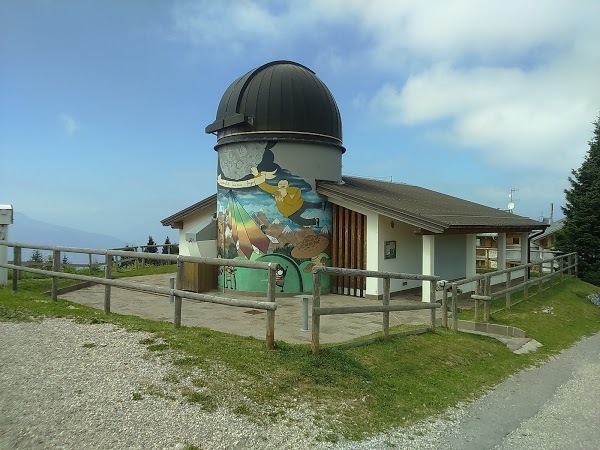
{"x":289,"y":200}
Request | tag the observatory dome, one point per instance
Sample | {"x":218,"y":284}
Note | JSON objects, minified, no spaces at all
{"x":281,"y":100}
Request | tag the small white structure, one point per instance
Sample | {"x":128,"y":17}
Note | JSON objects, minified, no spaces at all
{"x":6,"y":219}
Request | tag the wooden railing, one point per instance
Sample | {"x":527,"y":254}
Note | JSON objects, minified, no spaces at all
{"x":385,"y":307}
{"x":270,"y":305}
{"x":484,"y":290}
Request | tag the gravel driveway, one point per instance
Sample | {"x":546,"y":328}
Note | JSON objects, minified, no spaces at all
{"x":65,"y":385}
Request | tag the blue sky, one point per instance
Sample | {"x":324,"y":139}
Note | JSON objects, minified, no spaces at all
{"x":103,"y":104}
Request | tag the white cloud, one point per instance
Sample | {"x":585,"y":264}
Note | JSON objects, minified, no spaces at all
{"x":69,"y":123}
{"x":513,"y":80}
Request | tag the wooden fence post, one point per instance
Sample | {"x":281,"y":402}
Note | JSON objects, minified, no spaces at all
{"x":270,"y":332}
{"x":432,"y":300}
{"x":90,"y":262}
{"x":16,"y":262}
{"x":477,"y":292}
{"x":487,"y":291}
{"x":569,"y":263}
{"x":561,"y":267}
{"x":108,"y":276}
{"x":576,"y":265}
{"x":454,"y":307}
{"x":16,"y":273}
{"x":316,"y":318}
{"x":445,"y":307}
{"x":55,"y":268}
{"x":508,"y":285}
{"x":386,"y":301}
{"x":178,"y":286}
{"x":525,"y":282}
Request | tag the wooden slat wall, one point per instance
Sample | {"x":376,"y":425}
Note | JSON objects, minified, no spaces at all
{"x":199,"y":277}
{"x":348,"y":250}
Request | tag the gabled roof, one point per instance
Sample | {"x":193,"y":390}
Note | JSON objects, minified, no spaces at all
{"x":176,"y":219}
{"x":431,"y":211}
{"x":553,"y":228}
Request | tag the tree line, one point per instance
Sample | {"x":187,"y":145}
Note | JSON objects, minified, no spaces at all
{"x":38,"y":258}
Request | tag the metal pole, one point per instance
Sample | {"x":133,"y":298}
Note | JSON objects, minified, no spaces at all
{"x":304,"y":314}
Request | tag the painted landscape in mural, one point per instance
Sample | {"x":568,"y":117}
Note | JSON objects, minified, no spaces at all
{"x":267,"y":213}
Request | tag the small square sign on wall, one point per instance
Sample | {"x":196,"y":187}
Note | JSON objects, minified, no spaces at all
{"x":390,"y":250}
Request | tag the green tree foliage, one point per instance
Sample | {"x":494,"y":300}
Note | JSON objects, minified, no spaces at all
{"x":65,"y":260}
{"x":151,"y":243}
{"x":36,"y":257}
{"x":169,"y":249}
{"x":151,"y":248}
{"x":581,"y":231}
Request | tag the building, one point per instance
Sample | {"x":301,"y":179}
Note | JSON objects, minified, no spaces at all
{"x":281,"y":197}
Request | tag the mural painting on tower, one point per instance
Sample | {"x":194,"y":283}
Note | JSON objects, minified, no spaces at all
{"x":268,"y":212}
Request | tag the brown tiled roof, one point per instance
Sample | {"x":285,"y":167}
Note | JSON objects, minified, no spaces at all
{"x":429,"y":210}
{"x":179,"y":216}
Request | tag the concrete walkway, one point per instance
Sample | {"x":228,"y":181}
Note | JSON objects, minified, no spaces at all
{"x":246,"y":321}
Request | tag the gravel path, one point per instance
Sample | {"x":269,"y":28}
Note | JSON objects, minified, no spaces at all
{"x":72,"y":386}
{"x":65,"y":385}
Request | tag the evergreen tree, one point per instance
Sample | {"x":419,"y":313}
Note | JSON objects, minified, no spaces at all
{"x":151,"y":248}
{"x":167,"y":248}
{"x":65,"y":260}
{"x":36,"y":257}
{"x":151,"y":243}
{"x":581,"y":231}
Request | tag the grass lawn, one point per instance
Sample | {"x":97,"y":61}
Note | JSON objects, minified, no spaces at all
{"x":355,"y":391}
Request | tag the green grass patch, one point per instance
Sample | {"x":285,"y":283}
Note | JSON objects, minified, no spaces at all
{"x":355,"y":391}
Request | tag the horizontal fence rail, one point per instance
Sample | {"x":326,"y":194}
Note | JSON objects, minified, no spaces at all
{"x":558,"y":264}
{"x":270,"y":306}
{"x":384,"y":308}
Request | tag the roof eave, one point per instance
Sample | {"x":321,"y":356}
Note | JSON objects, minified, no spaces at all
{"x":176,"y":220}
{"x":403,"y":216}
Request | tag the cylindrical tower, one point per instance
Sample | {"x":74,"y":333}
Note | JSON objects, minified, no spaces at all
{"x":278,"y":131}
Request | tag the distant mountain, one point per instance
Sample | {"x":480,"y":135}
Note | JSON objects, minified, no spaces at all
{"x":32,"y":231}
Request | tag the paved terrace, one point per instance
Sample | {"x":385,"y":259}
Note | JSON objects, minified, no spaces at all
{"x":249,"y":322}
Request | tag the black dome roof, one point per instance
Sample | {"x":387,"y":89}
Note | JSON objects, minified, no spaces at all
{"x":279,"y":100}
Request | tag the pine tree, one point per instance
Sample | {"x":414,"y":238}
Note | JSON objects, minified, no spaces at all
{"x":36,"y":257}
{"x":151,"y":248}
{"x":167,"y":247}
{"x":581,"y":231}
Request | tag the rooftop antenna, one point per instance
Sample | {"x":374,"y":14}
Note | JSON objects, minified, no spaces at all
{"x":511,"y":204}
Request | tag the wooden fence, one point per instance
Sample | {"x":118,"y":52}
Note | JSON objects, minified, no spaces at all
{"x":484,"y":290}
{"x":385,"y":307}
{"x":118,"y":261}
{"x":270,"y":305}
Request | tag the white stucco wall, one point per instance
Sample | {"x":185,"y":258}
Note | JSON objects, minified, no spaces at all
{"x":409,"y":252}
{"x":192,"y":224}
{"x":450,"y":256}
